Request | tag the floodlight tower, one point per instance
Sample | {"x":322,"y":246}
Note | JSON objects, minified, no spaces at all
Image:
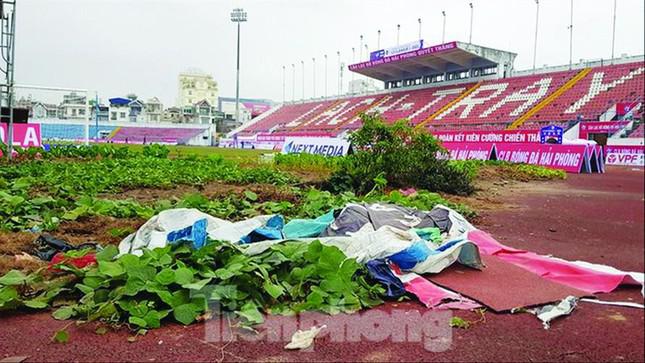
{"x":238,"y":15}
{"x":7,"y":49}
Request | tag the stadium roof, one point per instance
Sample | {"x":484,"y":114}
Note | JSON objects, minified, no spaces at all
{"x":447,"y":57}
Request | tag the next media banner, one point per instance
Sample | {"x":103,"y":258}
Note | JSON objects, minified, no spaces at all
{"x":325,"y":146}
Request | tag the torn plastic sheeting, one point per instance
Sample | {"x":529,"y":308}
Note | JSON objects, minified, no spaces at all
{"x":78,"y":262}
{"x":154,"y":233}
{"x":272,"y":230}
{"x":431,"y":295}
{"x":354,"y":216}
{"x":626,"y":304}
{"x":583,"y":276}
{"x":195,"y":233}
{"x":307,"y":228}
{"x":380,"y":271}
{"x":549,"y":312}
{"x":303,"y":339}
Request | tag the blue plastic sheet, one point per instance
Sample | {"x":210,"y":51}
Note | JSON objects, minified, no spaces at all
{"x":195,"y":234}
{"x":272,"y":230}
{"x":412,"y":255}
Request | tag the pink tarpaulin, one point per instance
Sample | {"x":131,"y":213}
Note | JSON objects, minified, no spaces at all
{"x":553,"y":269}
{"x":431,"y":295}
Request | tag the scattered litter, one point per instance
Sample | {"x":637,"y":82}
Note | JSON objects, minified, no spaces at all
{"x":14,"y":359}
{"x":302,"y":339}
{"x":24,"y":257}
{"x":47,"y":246}
{"x":549,"y":312}
{"x":626,"y":304}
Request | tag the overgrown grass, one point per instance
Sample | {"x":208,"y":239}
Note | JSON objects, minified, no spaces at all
{"x":522,"y":172}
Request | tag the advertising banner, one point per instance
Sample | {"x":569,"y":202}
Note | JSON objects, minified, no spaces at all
{"x":600,"y":127}
{"x":325,"y":146}
{"x":407,"y":47}
{"x":551,"y":134}
{"x":468,"y":150}
{"x":402,"y":56}
{"x":570,"y":158}
{"x":627,"y":155}
{"x":25,"y":135}
{"x":497,"y":136}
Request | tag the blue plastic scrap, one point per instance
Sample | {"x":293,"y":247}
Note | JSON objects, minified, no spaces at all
{"x":409,"y":257}
{"x":272,"y":230}
{"x":195,"y":234}
{"x":381,"y":272}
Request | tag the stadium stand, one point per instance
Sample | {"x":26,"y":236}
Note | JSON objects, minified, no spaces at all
{"x":638,"y":132}
{"x":136,"y":135}
{"x":529,"y":101}
{"x":51,"y":131}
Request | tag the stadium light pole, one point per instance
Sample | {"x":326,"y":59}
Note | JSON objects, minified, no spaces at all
{"x":360,"y":50}
{"x":284,"y":76}
{"x":443,"y":32}
{"x":378,"y":39}
{"x":398,"y":33}
{"x":353,"y":61}
{"x":419,"y":20}
{"x":325,"y":75}
{"x":571,"y":38}
{"x":338,"y":85}
{"x":238,"y":15}
{"x":313,"y":69}
{"x":470,"y":37}
{"x":302,"y":62}
{"x":537,"y":15}
{"x":293,"y":82}
{"x":367,"y":53}
{"x":613,"y":34}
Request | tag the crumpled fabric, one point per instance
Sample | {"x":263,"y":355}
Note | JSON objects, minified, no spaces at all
{"x":354,"y":216}
{"x":270,"y":231}
{"x":307,"y":228}
{"x":381,"y":272}
{"x":154,"y":233}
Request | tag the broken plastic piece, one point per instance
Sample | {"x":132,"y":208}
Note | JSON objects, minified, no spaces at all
{"x":302,"y":339}
{"x":550,"y":312}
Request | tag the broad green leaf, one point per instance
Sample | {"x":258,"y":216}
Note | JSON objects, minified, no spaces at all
{"x":251,"y":313}
{"x":272,"y":289}
{"x":112,"y":269}
{"x":61,"y":337}
{"x":108,"y":253}
{"x":165,"y":276}
{"x":250,"y":195}
{"x":63,"y":313}
{"x":137,"y":321}
{"x":186,"y":313}
{"x":36,"y":303}
{"x":198,"y":285}
{"x":13,"y":277}
{"x":183,"y":276}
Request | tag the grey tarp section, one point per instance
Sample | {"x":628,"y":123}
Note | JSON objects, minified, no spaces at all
{"x":354,"y":216}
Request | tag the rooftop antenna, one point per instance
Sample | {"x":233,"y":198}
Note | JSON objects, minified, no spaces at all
{"x":7,"y":51}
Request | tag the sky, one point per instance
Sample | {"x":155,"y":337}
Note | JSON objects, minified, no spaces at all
{"x":116,"y":47}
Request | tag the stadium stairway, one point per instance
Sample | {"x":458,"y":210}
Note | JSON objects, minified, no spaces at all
{"x":254,"y":121}
{"x":449,"y":104}
{"x":550,"y":98}
{"x":317,"y":116}
{"x":114,"y":132}
{"x":365,"y":109}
